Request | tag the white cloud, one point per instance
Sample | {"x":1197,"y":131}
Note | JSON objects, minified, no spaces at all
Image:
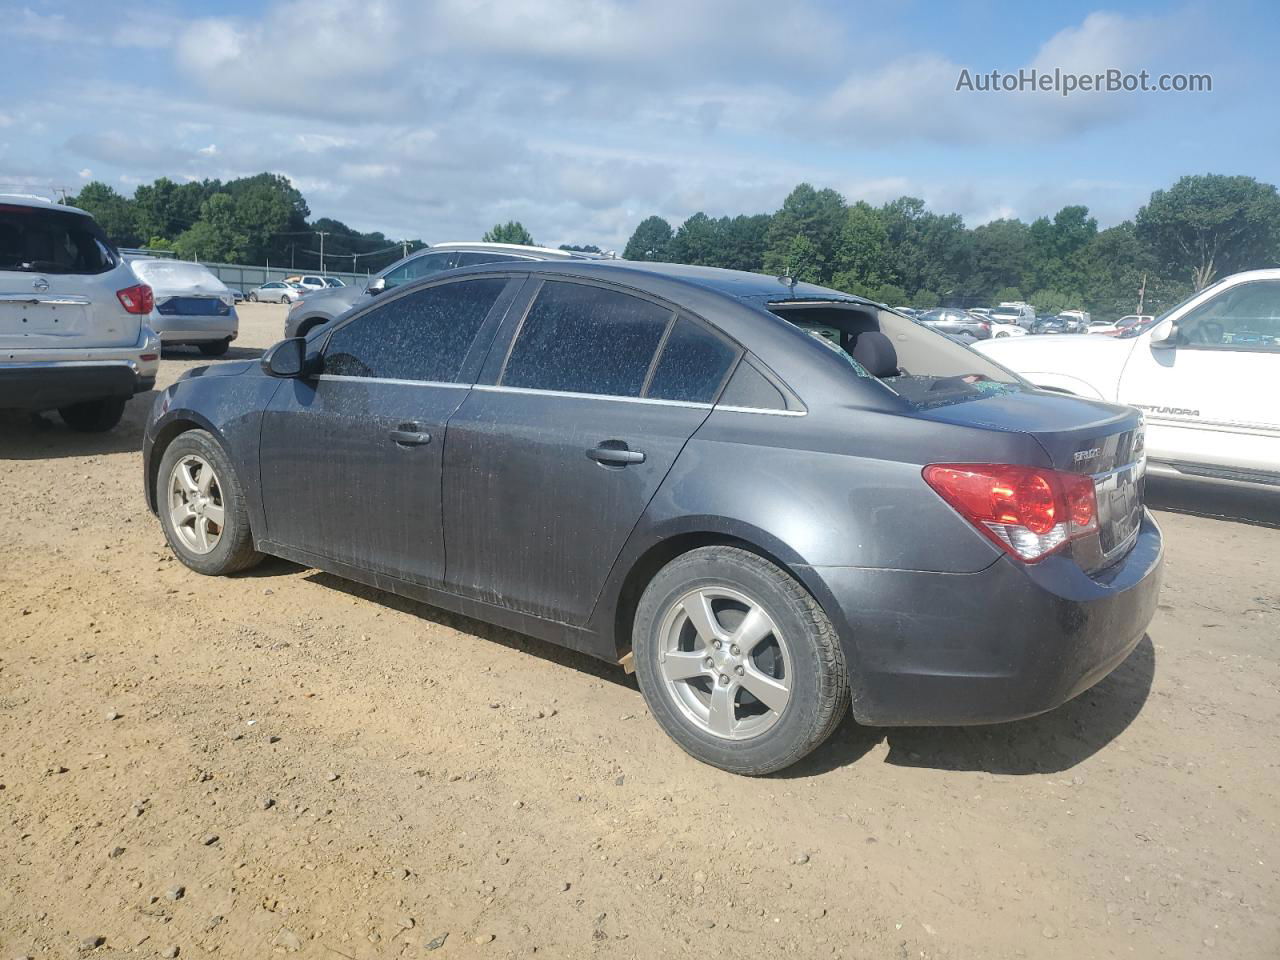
{"x":86,"y":174}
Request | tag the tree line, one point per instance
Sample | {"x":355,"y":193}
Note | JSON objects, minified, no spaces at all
{"x":260,"y":220}
{"x":901,"y":253}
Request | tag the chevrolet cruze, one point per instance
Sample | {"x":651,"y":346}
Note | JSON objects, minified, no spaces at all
{"x":770,"y":500}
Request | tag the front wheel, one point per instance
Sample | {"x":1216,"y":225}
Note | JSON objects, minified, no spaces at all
{"x":253,"y":297}
{"x":93,"y":416}
{"x":737,"y":661}
{"x":202,"y":506}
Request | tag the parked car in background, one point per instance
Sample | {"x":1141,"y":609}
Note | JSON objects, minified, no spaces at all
{"x":909,"y":311}
{"x":589,"y":439}
{"x":334,"y":282}
{"x":984,"y":312}
{"x":1111,"y":328}
{"x":192,"y":305}
{"x":318,"y":308}
{"x":1025,"y":313}
{"x":1052,"y":324}
{"x":236,"y":294}
{"x":1007,"y":314}
{"x":1204,"y":373}
{"x":310,"y":281}
{"x":1000,"y":328}
{"x":275,"y":291}
{"x":956,"y":322}
{"x":75,"y":321}
{"x":1077,"y":321}
{"x":1134,"y":324}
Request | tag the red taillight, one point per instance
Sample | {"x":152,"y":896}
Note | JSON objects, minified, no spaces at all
{"x":137,"y":299}
{"x":148,"y":357}
{"x":986,"y":327}
{"x":1028,"y":511}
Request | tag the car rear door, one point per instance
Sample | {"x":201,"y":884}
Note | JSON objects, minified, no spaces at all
{"x":351,"y":458}
{"x":1209,"y":394}
{"x":550,"y":464}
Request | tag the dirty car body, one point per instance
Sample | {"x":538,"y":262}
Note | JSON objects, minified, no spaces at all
{"x":538,"y":483}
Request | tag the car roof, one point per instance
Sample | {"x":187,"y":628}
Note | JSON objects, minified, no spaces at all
{"x":31,"y":200}
{"x":736,"y":284}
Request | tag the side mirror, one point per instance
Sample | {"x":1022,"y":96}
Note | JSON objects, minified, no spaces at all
{"x":1164,"y":335}
{"x":287,"y":359}
{"x":376,"y":286}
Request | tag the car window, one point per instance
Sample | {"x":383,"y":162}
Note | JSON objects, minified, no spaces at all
{"x":1246,"y":316}
{"x":693,"y":364}
{"x":36,"y":240}
{"x":470,"y":258}
{"x":424,"y":335}
{"x":585,"y":339}
{"x":418,"y":267}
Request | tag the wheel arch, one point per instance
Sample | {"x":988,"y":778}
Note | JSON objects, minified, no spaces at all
{"x":175,"y":424}
{"x":616,"y":611}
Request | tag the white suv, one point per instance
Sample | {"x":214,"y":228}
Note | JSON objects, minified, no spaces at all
{"x":75,"y":331}
{"x":1204,"y":373}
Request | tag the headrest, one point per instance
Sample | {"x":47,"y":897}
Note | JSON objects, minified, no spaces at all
{"x":875,"y":352}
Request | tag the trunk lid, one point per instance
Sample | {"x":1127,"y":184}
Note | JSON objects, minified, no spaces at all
{"x":1102,"y":440}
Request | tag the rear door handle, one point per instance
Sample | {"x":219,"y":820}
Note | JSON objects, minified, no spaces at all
{"x":410,"y":435}
{"x":615,"y":453}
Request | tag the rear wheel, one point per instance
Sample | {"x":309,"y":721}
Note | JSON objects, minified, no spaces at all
{"x":253,"y":296}
{"x":215,"y":349}
{"x":737,"y":662}
{"x":202,"y":507}
{"x":93,"y":416}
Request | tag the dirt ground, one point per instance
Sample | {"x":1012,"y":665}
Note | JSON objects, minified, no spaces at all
{"x":284,"y":762}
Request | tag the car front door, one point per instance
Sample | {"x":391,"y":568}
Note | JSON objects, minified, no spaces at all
{"x":351,"y":458}
{"x":1209,"y":392}
{"x":550,"y":464}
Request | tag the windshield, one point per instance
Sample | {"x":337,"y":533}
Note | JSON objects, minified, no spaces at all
{"x":48,"y":240}
{"x":933,"y":370}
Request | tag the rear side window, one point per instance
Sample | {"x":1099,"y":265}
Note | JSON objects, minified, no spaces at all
{"x":583,"y":339}
{"x":422,"y":336}
{"x":40,"y":240}
{"x":693,"y":364}
{"x":751,"y":388}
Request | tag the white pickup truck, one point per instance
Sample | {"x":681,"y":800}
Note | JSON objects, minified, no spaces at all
{"x":1206,"y":374}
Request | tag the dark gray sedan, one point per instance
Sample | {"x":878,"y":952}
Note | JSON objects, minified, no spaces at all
{"x":769,"y":500}
{"x":957,"y":323}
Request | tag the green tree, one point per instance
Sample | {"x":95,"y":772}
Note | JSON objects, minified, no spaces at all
{"x":925,"y":250}
{"x":512,"y":231}
{"x":585,"y":248}
{"x":114,"y":213}
{"x":216,"y":235}
{"x":1054,"y":301}
{"x":1000,"y":257}
{"x":1211,"y":225}
{"x":743,"y":241}
{"x":1007,"y":294}
{"x":651,"y":240}
{"x":925,"y":299}
{"x":817,"y":216}
{"x":860,"y":253}
{"x":697,"y":241}
{"x":799,"y":259}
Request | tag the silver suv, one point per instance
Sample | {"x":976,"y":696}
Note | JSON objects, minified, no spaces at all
{"x":75,"y":322}
{"x":322,"y":306}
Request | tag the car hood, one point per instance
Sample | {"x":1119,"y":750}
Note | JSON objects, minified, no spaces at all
{"x":232,"y":368}
{"x":1094,"y":360}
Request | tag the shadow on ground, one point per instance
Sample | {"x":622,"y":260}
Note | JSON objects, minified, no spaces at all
{"x":1049,"y":743}
{"x":188,"y":352}
{"x":43,"y":436}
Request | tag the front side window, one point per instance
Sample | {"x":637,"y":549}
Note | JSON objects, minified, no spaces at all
{"x":422,"y":336}
{"x":418,"y":267}
{"x":584,"y":339}
{"x":1246,"y":316}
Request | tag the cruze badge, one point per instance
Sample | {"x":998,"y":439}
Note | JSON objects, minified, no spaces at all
{"x":1087,"y":454}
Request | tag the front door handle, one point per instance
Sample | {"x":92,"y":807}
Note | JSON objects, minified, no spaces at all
{"x":410,"y":435}
{"x":615,"y":453}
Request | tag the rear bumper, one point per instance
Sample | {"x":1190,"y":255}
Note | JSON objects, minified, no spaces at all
{"x":1008,"y":642}
{"x":189,"y":329}
{"x":51,"y":384}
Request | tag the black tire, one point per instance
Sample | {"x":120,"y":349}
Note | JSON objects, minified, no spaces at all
{"x":819,"y":681}
{"x":93,"y":416}
{"x":306,"y":326}
{"x":215,"y":349}
{"x":253,"y":296}
{"x":234,"y":550}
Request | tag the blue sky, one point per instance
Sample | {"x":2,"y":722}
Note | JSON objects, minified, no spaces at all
{"x":580,"y":117}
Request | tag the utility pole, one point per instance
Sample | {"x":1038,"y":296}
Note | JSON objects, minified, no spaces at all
{"x":404,"y":249}
{"x":1142,"y":294}
{"x":323,"y":234}
{"x":291,"y":246}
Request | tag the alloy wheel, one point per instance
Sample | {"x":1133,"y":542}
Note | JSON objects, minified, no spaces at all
{"x":196,"y":510}
{"x":725,"y":663}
